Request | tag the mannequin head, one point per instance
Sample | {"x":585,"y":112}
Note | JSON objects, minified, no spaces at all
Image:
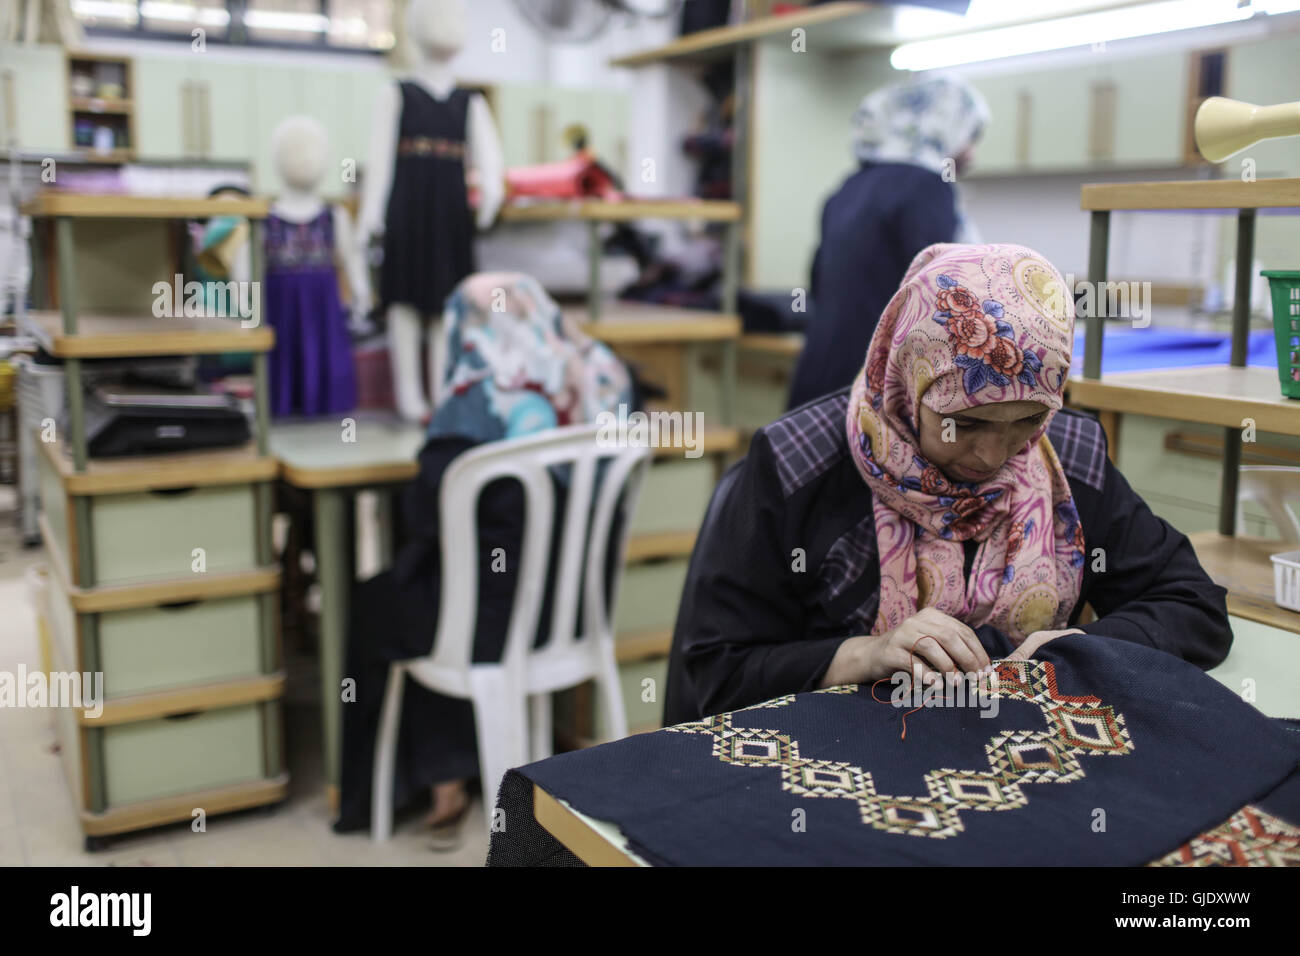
{"x":436,"y":28}
{"x":300,"y":150}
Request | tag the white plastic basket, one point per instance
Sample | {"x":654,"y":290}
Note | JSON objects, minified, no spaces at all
{"x":1286,"y":579}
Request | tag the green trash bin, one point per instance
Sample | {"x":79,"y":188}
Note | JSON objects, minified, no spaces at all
{"x":1285,"y":286}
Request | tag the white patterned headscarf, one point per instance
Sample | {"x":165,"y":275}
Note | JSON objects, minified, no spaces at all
{"x":516,"y":364}
{"x":928,"y":122}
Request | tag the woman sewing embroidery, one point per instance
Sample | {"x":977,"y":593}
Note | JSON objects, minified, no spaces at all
{"x":945,"y":489}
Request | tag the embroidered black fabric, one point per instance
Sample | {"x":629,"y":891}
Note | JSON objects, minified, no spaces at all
{"x":524,"y":841}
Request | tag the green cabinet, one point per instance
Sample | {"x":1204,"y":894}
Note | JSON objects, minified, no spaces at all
{"x":37,"y":77}
{"x":1150,"y":108}
{"x":164,"y":107}
{"x":1266,"y":73}
{"x":1106,"y":112}
{"x":996,"y":152}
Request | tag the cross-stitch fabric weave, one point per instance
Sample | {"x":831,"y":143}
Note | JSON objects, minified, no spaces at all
{"x":1102,"y":752}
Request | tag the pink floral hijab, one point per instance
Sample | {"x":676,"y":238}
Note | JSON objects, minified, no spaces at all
{"x":970,"y":325}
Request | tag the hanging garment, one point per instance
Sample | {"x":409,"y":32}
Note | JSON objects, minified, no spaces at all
{"x":429,"y":231}
{"x":311,"y":365}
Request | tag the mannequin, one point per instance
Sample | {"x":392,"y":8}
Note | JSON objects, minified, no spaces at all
{"x":437,"y":30}
{"x":311,"y":366}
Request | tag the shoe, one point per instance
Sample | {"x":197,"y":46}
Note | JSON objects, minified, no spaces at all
{"x":449,"y":835}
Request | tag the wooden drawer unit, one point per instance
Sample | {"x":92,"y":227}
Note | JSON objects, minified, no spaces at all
{"x":182,"y":752}
{"x":134,"y":521}
{"x":142,"y":645}
{"x":154,"y":758}
{"x":174,"y":644}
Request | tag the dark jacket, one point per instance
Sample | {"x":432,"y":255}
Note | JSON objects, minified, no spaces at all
{"x":871,"y":229}
{"x":752,"y":627}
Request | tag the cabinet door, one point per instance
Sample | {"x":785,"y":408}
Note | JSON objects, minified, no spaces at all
{"x":515,"y":123}
{"x":224,"y":103}
{"x":1150,"y":101}
{"x":1058,"y":119}
{"x":608,"y":127}
{"x":1266,"y":73}
{"x":325,"y":99}
{"x":279,"y":95}
{"x":996,"y":150}
{"x":165,"y":107}
{"x":37,"y":77}
{"x":362,"y":91}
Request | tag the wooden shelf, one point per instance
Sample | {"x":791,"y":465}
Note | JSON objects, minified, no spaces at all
{"x":642,"y":645}
{"x":782,"y":344}
{"x":1194,"y":194}
{"x":94,"y":104}
{"x":645,"y":323}
{"x":831,"y":26}
{"x":715,"y":440}
{"x":152,"y":813}
{"x":107,"y":476}
{"x":312,"y":454}
{"x":182,"y":700}
{"x":104,"y":336}
{"x":660,"y":544}
{"x":115,"y":156}
{"x":89,"y":206}
{"x":1242,"y":565}
{"x":705,"y":210}
{"x":1213,"y":394}
{"x":123,"y":597}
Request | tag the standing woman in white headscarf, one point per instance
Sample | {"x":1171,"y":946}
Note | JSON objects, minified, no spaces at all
{"x":912,"y":140}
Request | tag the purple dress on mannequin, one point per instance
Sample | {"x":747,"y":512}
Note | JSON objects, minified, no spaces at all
{"x":311,"y":366}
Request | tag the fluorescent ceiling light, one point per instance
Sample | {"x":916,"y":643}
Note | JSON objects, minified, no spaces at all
{"x":183,"y":13}
{"x":348,"y":26}
{"x":1081,"y":30}
{"x":275,"y":20}
{"x":106,"y":9}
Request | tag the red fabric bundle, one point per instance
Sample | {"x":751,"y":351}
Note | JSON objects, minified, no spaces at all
{"x":579,"y":177}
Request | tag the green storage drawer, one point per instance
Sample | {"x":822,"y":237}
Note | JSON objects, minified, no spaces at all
{"x":147,"y":649}
{"x":146,"y":535}
{"x":648,"y":596}
{"x":172,"y":755}
{"x":675,"y":495}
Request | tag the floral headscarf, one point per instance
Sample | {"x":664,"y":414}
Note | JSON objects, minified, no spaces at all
{"x":969,"y":326}
{"x":516,"y":365}
{"x":927,"y":122}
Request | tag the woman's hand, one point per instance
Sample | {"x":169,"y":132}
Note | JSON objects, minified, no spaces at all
{"x":928,"y":642}
{"x":1036,"y":640}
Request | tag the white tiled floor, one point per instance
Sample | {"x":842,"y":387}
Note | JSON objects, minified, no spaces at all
{"x":38,"y":823}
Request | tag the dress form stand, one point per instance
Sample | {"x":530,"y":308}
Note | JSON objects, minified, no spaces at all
{"x":303,"y":237}
{"x":437,"y":30}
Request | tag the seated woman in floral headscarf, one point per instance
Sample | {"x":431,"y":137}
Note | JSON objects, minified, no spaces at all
{"x":944,"y":490}
{"x":514,"y":366}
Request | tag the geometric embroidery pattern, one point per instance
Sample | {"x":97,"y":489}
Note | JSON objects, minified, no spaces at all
{"x":1077,"y":726}
{"x":1250,"y":837}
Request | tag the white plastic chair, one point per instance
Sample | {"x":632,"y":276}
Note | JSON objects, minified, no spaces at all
{"x":574,"y":651}
{"x":1271,"y":487}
